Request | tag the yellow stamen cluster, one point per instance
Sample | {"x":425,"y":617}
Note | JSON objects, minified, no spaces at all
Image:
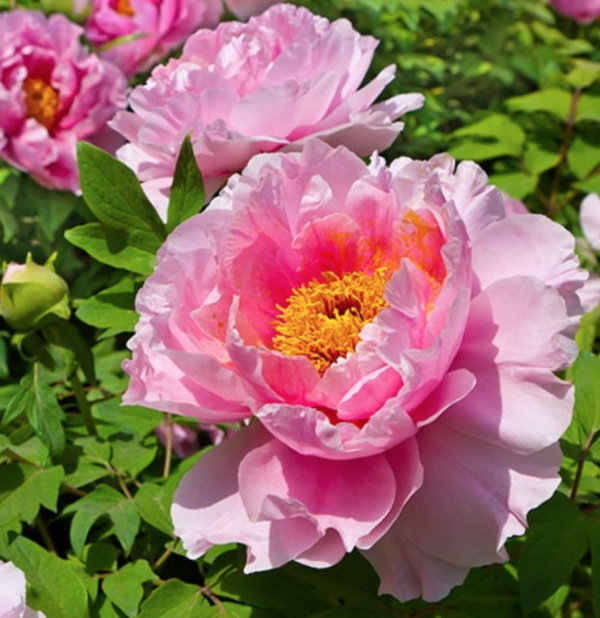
{"x":41,"y":100}
{"x":323,"y":320}
{"x":124,"y":8}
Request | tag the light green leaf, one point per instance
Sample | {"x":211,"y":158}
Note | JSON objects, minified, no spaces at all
{"x":124,"y":588}
{"x":537,"y":159}
{"x":516,"y":184}
{"x":153,"y":506}
{"x":131,"y":457}
{"x":174,"y":599}
{"x":111,"y":249}
{"x":187,"y":192}
{"x":588,"y":108}
{"x":551,"y":100}
{"x":55,"y":588}
{"x":112,"y":308}
{"x":586,"y":377}
{"x":583,"y":157}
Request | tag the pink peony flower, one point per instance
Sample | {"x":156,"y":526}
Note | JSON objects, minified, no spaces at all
{"x":243,"y":9}
{"x":52,"y":94}
{"x":582,"y":11}
{"x":589,"y":218}
{"x":135,"y":34}
{"x":12,"y":593}
{"x":392,"y":336}
{"x":243,"y":89}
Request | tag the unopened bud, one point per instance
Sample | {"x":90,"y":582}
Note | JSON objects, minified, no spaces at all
{"x":30,"y":293}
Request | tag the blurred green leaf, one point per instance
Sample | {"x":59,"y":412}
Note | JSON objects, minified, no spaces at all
{"x":551,"y":100}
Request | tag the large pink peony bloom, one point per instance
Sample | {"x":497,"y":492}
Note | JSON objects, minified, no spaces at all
{"x":12,"y":593}
{"x":583,"y":11}
{"x":135,"y":34}
{"x":242,"y":89}
{"x":392,"y":336}
{"x":52,"y":94}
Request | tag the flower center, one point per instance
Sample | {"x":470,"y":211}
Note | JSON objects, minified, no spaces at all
{"x":124,"y":8}
{"x":323,"y":320}
{"x":41,"y":100}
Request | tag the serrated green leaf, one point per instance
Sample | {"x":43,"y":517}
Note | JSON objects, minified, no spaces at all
{"x":124,"y":588}
{"x":38,"y":401}
{"x":174,"y":599}
{"x":131,"y":457}
{"x":55,"y":588}
{"x":103,"y":501}
{"x":187,"y":192}
{"x":111,"y":249}
{"x":153,"y":505}
{"x":112,"y":308}
{"x":114,"y":195}
{"x":23,"y":489}
{"x":557,"y":540}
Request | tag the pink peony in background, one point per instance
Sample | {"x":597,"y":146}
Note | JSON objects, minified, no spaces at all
{"x":243,"y":9}
{"x":269,"y":84}
{"x":12,"y":593}
{"x":52,"y":94}
{"x":135,"y":34}
{"x":583,"y":11}
{"x":389,"y":335}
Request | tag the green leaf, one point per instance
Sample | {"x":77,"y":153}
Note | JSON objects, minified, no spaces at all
{"x":537,"y":159}
{"x":124,"y":588}
{"x":153,"y":505}
{"x":112,"y":309}
{"x":235,"y":610}
{"x":65,"y":335}
{"x":37,"y":399}
{"x":588,"y":108}
{"x":103,"y":501}
{"x":557,"y":540}
{"x":23,"y":489}
{"x":131,"y":457}
{"x":583,"y":157}
{"x":133,"y":420}
{"x":551,"y":100}
{"x":586,"y":377}
{"x":174,"y":599}
{"x":187,"y":193}
{"x":516,"y":184}
{"x":54,"y":587}
{"x":584,"y":73}
{"x":114,"y":195}
{"x":111,"y":249}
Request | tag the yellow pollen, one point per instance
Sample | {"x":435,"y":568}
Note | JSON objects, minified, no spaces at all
{"x":323,"y":320}
{"x":41,"y":100}
{"x":124,"y":8}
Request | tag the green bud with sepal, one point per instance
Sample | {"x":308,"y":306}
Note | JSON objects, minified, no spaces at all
{"x":31,"y":295}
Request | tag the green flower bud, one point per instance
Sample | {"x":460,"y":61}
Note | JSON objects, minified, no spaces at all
{"x":30,"y":293}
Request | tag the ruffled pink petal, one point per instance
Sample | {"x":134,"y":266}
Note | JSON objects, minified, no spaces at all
{"x":589,"y":216}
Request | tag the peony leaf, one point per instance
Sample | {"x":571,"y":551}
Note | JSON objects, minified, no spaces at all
{"x":558,"y":538}
{"x":113,"y":193}
{"x":24,"y":489}
{"x":124,"y":588}
{"x":55,"y":588}
{"x":113,"y":251}
{"x":174,"y":599}
{"x":152,"y":504}
{"x":586,"y":376}
{"x":187,"y":193}
{"x":103,"y":501}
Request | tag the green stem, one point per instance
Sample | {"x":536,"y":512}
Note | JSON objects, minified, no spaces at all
{"x":168,"y":446}
{"x":84,"y":405}
{"x":581,"y":463}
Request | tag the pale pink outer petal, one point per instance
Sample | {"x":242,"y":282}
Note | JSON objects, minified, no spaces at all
{"x":589,"y":217}
{"x":589,"y":294}
{"x":474,"y":496}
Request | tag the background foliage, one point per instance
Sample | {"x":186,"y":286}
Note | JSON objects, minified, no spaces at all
{"x":85,"y":485}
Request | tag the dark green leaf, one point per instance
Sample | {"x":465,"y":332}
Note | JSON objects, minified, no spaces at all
{"x":586,"y":377}
{"x":114,"y":195}
{"x":557,"y":540}
{"x":187,"y":193}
